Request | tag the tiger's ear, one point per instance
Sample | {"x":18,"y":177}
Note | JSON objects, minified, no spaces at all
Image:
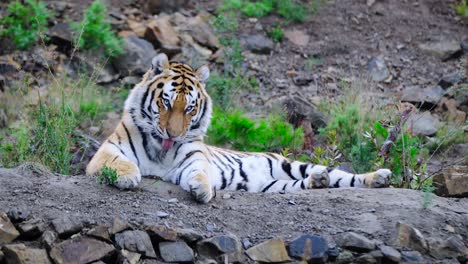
{"x":203,"y":73}
{"x":159,"y":63}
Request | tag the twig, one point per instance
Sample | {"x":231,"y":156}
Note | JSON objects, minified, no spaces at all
{"x":394,"y":132}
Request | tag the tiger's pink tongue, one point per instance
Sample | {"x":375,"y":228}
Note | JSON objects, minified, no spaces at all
{"x":167,"y":144}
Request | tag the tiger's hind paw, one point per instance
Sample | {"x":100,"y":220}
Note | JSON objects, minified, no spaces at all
{"x":319,"y":177}
{"x":379,"y":178}
{"x":200,"y":188}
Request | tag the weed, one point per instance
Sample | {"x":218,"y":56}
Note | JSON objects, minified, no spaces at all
{"x":312,"y":62}
{"x":276,"y":34}
{"x":95,"y":32}
{"x":240,"y":132}
{"x":291,"y":11}
{"x":108,"y":176}
{"x":462,"y":8}
{"x":25,"y":22}
{"x":285,"y":8}
{"x":315,"y":5}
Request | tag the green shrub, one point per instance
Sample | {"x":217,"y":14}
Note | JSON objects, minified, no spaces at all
{"x":285,"y":8}
{"x":276,"y":34}
{"x":95,"y":32}
{"x":462,"y":8}
{"x":24,"y":23}
{"x":234,"y":129}
{"x":107,"y":176}
{"x":291,"y":11}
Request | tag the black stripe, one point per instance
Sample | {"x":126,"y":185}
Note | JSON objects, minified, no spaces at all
{"x":179,"y":177}
{"x":151,"y":100}
{"x":114,"y":158}
{"x":329,"y":169}
{"x":352,"y":181}
{"x":337,"y":183}
{"x":118,"y":147}
{"x":302,"y":185}
{"x":273,"y":156}
{"x":142,"y":104}
{"x":295,"y":183}
{"x":224,"y":181}
{"x":197,"y":125}
{"x":241,"y":171}
{"x":188,"y":155}
{"x":303,"y":168}
{"x":241,"y":186}
{"x":270,"y":163}
{"x":177,"y":150}
{"x":284,"y":187}
{"x":287,"y":168}
{"x":131,"y":143}
{"x":269,"y":186}
{"x":233,"y":171}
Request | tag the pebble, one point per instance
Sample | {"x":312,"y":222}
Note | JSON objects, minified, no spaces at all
{"x":162,"y":214}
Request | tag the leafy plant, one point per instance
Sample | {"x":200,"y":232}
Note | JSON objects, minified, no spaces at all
{"x":108,"y":176}
{"x":95,"y":32}
{"x":242,"y":133}
{"x":285,"y":8}
{"x":291,"y":11}
{"x":462,"y":8}
{"x":25,"y":22}
{"x":276,"y":34}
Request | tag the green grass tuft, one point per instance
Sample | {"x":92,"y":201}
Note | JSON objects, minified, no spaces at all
{"x":107,"y":176}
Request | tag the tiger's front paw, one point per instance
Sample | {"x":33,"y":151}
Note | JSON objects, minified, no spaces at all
{"x":125,"y":182}
{"x":319,"y":177}
{"x":200,"y":188}
{"x":378,"y":179}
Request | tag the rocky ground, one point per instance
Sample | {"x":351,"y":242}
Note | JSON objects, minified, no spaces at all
{"x":343,"y":226}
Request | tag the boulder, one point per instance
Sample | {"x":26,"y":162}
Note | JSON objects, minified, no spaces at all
{"x":128,"y":257}
{"x":216,"y":246}
{"x":21,"y":254}
{"x":176,"y":252}
{"x":427,"y":97}
{"x":390,"y":254}
{"x":310,"y":248}
{"x":378,"y":69}
{"x":189,"y":235}
{"x":61,"y":35}
{"x":412,"y":257}
{"x":32,"y":229}
{"x":66,"y":226}
{"x":18,"y":215}
{"x":257,"y":43}
{"x":162,"y":35}
{"x":137,"y":56}
{"x":160,"y":233}
{"x":424,"y":124}
{"x":270,"y":251}
{"x":118,"y":225}
{"x":49,"y":238}
{"x":453,"y":247}
{"x":80,"y":250}
{"x":100,"y":232}
{"x":8,"y":232}
{"x":408,"y":236}
{"x":136,"y":241}
{"x":355,"y":242}
{"x":452,"y":181}
{"x":445,"y":50}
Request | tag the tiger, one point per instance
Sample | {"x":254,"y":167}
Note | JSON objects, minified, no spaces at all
{"x":164,"y":121}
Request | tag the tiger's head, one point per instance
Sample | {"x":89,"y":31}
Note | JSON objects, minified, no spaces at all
{"x":171,"y":102}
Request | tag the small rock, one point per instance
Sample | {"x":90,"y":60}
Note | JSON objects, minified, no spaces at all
{"x":246,"y":243}
{"x":61,"y":35}
{"x":100,"y":232}
{"x":453,"y":247}
{"x":451,"y":79}
{"x":162,"y":35}
{"x":297,"y":37}
{"x":18,"y":215}
{"x":49,"y":238}
{"x":366,"y":259}
{"x":444,"y":50}
{"x":299,"y":109}
{"x":80,"y":250}
{"x":176,"y":252}
{"x":390,"y":254}
{"x":423,"y":124}
{"x":136,"y":241}
{"x":345,"y":257}
{"x":173,"y":200}
{"x":310,"y":248}
{"x":411,"y":257}
{"x":189,"y":235}
{"x":333,"y":253}
{"x":416,"y":95}
{"x":161,"y":214}
{"x":411,"y":237}
{"x":19,"y":253}
{"x":8,"y":231}
{"x":137,"y":56}
{"x":378,"y":69}
{"x":160,"y":233}
{"x":355,"y":242}
{"x":464,"y":44}
{"x":227,"y":196}
{"x":32,"y":229}
{"x":128,"y":257}
{"x":269,"y":251}
{"x":258,"y":44}
{"x":452,"y":182}
{"x":66,"y":226}
{"x":214,"y":247}
{"x":118,"y":225}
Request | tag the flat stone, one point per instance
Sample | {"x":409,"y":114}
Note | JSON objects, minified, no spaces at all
{"x":176,"y":252}
{"x":453,"y":247}
{"x":297,"y":37}
{"x":161,"y":233}
{"x":61,"y":35}
{"x":49,"y":238}
{"x":118,"y":225}
{"x":270,"y":251}
{"x":136,"y":241}
{"x":258,"y":44}
{"x":66,"y":226}
{"x":80,"y":250}
{"x":390,"y":254}
{"x":8,"y":232}
{"x":189,"y":235}
{"x":411,"y":257}
{"x":449,"y":80}
{"x":424,"y":124}
{"x":32,"y":229}
{"x":309,"y":248}
{"x":18,"y":215}
{"x":444,"y":50}
{"x":219,"y":245}
{"x":128,"y":257}
{"x":417,"y":95}
{"x":163,"y":36}
{"x":100,"y":232}
{"x":355,"y":242}
{"x":366,"y":259}
{"x":378,"y":69}
{"x":408,"y":236}
{"x":137,"y":56}
{"x":452,"y":182}
{"x":21,"y":254}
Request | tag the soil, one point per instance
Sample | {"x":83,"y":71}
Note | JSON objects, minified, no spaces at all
{"x":327,"y":212}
